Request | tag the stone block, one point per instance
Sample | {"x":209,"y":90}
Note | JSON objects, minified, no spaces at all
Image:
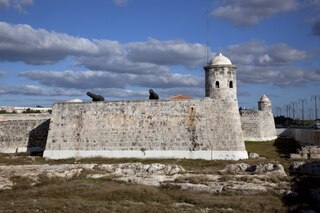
{"x":295,"y":156}
{"x":314,"y":150}
{"x":253,"y":155}
{"x":315,"y":156}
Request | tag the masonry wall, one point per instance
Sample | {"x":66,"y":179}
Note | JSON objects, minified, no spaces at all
{"x":23,"y":132}
{"x":206,"y":129}
{"x":303,"y":136}
{"x":257,"y":125}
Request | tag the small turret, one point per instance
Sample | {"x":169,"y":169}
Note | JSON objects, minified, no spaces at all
{"x":264,"y":104}
{"x":220,"y":78}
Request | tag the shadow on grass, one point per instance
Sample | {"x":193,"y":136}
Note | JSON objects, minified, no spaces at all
{"x":286,"y":146}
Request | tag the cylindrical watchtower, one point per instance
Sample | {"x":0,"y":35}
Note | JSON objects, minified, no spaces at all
{"x":265,"y":104}
{"x":220,"y":78}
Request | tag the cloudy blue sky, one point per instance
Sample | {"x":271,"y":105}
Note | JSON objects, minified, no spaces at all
{"x":58,"y":50}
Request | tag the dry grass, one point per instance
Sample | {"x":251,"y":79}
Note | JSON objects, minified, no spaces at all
{"x":80,"y":194}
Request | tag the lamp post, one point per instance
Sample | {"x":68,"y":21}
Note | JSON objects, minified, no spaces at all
{"x":294,"y":104}
{"x":287,"y":107}
{"x":278,"y":110}
{"x":315,"y":98}
{"x":303,"y":101}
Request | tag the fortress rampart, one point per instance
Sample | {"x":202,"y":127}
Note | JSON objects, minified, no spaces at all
{"x":206,"y":129}
{"x":211,"y":128}
{"x":257,"y":125}
{"x":23,"y":132}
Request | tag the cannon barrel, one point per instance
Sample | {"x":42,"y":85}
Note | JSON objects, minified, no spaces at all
{"x":95,"y":97}
{"x":153,"y":95}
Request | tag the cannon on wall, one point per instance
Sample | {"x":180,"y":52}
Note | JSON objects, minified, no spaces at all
{"x":153,"y":95}
{"x":95,"y":97}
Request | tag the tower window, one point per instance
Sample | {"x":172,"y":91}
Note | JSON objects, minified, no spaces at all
{"x":230,"y":84}
{"x":217,"y":84}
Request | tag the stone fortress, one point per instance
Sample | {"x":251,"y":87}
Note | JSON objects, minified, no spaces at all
{"x":211,"y":128}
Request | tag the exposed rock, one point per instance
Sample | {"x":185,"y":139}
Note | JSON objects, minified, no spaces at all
{"x":268,"y":168}
{"x":315,"y":156}
{"x":253,"y":155}
{"x":138,"y":168}
{"x":241,"y":168}
{"x":212,"y":188}
{"x":179,"y":205}
{"x":307,"y":152}
{"x":32,"y":172}
{"x":295,"y":156}
{"x":5,"y":183}
{"x":235,"y":168}
{"x":239,"y":177}
{"x":247,"y":188}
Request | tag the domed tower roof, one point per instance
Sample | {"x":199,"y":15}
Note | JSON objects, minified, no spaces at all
{"x":220,"y":60}
{"x":264,"y":98}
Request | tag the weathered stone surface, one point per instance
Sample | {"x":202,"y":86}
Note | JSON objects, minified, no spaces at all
{"x":163,"y":128}
{"x":155,"y":175}
{"x":295,"y":156}
{"x":257,"y":125}
{"x":5,"y":183}
{"x":235,"y":168}
{"x":23,"y":132}
{"x":248,"y":188}
{"x":315,"y":156}
{"x":253,"y":155}
{"x":32,"y":172}
{"x":139,"y":168}
{"x":266,"y":168}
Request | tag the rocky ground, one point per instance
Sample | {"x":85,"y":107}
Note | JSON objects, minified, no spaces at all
{"x":260,"y":184}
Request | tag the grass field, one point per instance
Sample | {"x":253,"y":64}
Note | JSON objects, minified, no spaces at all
{"x":107,"y":195}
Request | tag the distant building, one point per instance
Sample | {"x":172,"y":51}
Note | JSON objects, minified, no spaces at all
{"x":180,"y":97}
{"x":11,"y":109}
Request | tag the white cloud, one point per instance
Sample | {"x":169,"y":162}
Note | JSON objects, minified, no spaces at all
{"x":15,"y":4}
{"x":278,"y":76}
{"x":120,"y":3}
{"x":170,"y":52}
{"x":101,"y":79}
{"x":120,"y":64}
{"x":38,"y":46}
{"x":33,"y":90}
{"x":277,"y":64}
{"x":250,"y":12}
{"x":257,"y":53}
{"x":2,"y":73}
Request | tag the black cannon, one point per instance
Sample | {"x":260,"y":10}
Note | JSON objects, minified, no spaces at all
{"x":153,"y":95}
{"x":95,"y":97}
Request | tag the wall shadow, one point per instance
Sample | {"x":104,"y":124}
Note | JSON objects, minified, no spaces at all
{"x":286,"y":146}
{"x":38,"y":139}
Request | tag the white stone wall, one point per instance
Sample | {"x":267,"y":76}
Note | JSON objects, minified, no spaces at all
{"x":257,"y":125}
{"x":207,"y":129}
{"x":23,"y":132}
